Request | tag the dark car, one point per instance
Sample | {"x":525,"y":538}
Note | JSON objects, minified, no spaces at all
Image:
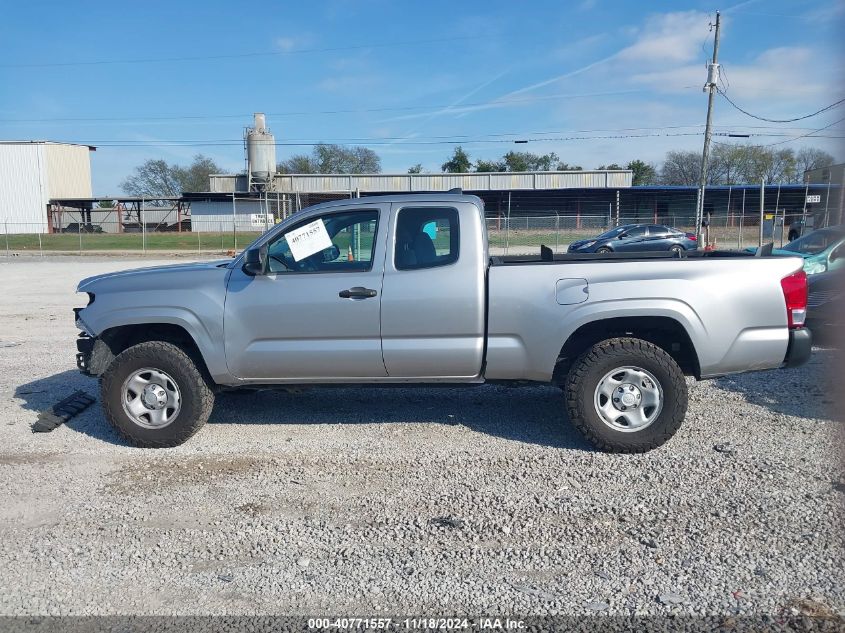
{"x":637,"y":237}
{"x":826,"y":307}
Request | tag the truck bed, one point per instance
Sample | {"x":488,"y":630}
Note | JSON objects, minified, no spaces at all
{"x":562,"y":258}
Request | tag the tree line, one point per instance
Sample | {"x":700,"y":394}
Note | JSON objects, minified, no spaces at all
{"x":728,"y":165}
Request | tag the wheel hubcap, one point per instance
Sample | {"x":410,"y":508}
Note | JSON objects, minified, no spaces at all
{"x":151,"y":398}
{"x":628,"y":399}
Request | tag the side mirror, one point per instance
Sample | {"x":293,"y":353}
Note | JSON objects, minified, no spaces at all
{"x":331,"y":253}
{"x":255,"y":261}
{"x":621,"y":236}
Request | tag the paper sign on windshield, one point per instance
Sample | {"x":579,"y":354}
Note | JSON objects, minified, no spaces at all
{"x":307,"y":240}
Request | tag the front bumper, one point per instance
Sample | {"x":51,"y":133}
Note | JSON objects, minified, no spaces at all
{"x":85,"y":348}
{"x":800,"y":347}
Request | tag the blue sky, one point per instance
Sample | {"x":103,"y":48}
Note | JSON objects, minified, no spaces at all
{"x":405,"y":78}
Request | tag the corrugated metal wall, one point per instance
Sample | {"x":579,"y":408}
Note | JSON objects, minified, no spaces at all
{"x":33,"y":173}
{"x":214,"y":215}
{"x":68,"y":171}
{"x":23,"y":193}
{"x":328,"y":183}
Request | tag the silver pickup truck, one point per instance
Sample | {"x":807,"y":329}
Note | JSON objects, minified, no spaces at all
{"x":402,"y":289}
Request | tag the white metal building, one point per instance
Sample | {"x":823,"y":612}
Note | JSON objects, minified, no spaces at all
{"x":406,"y":183}
{"x":33,"y":172}
{"x":291,"y":192}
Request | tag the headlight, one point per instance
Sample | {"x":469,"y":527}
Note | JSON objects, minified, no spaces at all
{"x":79,"y":322}
{"x":588,"y":244}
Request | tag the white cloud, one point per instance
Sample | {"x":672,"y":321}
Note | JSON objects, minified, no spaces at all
{"x":285,"y":44}
{"x":669,"y":38}
{"x":783,"y":73}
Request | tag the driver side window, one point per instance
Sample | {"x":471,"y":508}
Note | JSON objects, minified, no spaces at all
{"x":352,"y":235}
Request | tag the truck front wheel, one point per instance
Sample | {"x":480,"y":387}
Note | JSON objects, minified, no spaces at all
{"x":626,"y":395}
{"x":155,"y":396}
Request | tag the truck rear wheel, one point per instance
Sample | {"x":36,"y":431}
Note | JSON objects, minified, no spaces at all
{"x":155,"y":396}
{"x":626,"y":395}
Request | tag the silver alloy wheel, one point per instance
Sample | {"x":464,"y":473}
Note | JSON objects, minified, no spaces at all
{"x":628,"y":399}
{"x":676,"y":248}
{"x":151,"y":398}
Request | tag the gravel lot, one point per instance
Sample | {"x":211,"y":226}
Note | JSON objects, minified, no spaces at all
{"x":368,"y":501}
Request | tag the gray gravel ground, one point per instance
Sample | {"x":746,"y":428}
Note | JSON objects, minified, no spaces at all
{"x":395,"y":501}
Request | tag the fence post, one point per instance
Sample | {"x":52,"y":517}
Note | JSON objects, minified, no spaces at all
{"x":617,"y":207}
{"x":40,"y":247}
{"x":234,"y":216}
{"x":508,"y":225}
{"x":804,"y":211}
{"x":6,"y":234}
{"x":762,"y":208}
{"x":557,"y":230}
{"x":775,"y":220}
{"x":220,"y":228}
{"x":199,"y":241}
{"x":79,"y":230}
{"x":741,"y":221}
{"x":826,"y":203}
{"x":143,"y":227}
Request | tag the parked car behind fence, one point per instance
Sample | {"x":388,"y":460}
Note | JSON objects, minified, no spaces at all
{"x":635,"y":238}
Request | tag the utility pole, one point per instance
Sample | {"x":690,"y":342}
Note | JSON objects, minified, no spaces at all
{"x":710,"y":87}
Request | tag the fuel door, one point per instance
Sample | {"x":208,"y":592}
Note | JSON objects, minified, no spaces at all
{"x":571,"y":291}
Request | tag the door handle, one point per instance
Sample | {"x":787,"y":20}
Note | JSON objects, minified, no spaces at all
{"x":357,"y":293}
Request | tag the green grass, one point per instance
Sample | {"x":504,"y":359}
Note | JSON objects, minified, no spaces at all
{"x":185,"y":241}
{"x":221,"y":242}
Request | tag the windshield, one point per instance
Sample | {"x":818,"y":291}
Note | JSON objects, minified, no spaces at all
{"x":815,"y":242}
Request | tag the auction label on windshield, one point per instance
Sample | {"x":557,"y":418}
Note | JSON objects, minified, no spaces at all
{"x":307,"y":240}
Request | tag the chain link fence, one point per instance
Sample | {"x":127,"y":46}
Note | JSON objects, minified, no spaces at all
{"x":517,"y":235}
{"x":226,"y":227}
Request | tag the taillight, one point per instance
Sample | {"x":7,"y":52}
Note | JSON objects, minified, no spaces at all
{"x":692,"y":236}
{"x":795,"y":294}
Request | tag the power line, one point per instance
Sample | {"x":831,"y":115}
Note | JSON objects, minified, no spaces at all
{"x":800,"y":118}
{"x":239,"y":142}
{"x":157,"y":60}
{"x":493,"y":102}
{"x":457,"y":137}
{"x":809,"y":134}
{"x":444,"y":140}
{"x":535,"y":136}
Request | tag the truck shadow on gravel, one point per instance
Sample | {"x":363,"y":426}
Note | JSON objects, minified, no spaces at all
{"x":531,"y":414}
{"x":799,"y":391}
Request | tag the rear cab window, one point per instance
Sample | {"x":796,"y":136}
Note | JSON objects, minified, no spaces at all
{"x":426,"y":237}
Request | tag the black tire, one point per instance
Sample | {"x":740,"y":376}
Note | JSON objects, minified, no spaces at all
{"x":677,"y":248}
{"x":591,"y":367}
{"x":197,"y":398}
{"x":604,"y":249}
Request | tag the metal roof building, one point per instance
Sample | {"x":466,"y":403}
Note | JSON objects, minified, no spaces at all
{"x":406,"y":183}
{"x":34,"y":172}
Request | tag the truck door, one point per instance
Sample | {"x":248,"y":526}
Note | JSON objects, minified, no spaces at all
{"x":433,"y":306}
{"x":316,"y":314}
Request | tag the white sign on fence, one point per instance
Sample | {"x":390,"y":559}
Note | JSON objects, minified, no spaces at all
{"x":814,"y":199}
{"x":307,"y":240}
{"x":261,"y":219}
